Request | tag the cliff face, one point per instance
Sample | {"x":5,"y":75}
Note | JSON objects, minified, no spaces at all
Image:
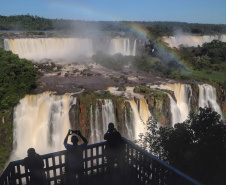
{"x":84,"y":112}
{"x":159,"y":106}
{"x":195,"y":96}
{"x":158,"y":102}
{"x":221,"y":98}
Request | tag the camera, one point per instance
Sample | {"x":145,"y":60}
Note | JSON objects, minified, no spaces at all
{"x":74,"y":131}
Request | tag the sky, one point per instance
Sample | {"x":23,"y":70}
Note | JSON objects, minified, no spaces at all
{"x":191,"y":11}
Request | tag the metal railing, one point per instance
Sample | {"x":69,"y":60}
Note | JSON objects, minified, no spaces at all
{"x":139,"y":164}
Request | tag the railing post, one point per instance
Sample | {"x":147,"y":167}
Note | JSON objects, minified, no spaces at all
{"x":135,"y":163}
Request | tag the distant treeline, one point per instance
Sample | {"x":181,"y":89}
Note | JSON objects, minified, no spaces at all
{"x":35,"y":23}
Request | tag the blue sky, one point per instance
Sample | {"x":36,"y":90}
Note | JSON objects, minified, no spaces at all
{"x":191,"y":11}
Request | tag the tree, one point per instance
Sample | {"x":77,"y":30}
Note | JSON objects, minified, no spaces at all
{"x":197,"y":146}
{"x":17,"y":78}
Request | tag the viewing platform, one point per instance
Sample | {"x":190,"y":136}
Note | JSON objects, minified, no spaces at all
{"x":139,"y":168}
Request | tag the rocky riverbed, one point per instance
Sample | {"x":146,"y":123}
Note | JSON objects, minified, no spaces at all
{"x":73,"y":78}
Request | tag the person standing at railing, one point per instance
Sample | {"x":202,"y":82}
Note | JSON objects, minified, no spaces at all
{"x":34,"y":163}
{"x":75,"y":157}
{"x":113,"y":147}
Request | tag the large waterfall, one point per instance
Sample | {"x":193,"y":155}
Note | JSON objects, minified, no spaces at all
{"x":98,"y":129}
{"x":44,"y":118}
{"x":50,"y":48}
{"x":123,"y":46}
{"x":41,"y":121}
{"x":140,"y":115}
{"x":181,"y":106}
{"x":189,"y":40}
{"x":207,"y":98}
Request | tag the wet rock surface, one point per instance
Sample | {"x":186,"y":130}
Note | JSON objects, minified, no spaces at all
{"x":73,"y":78}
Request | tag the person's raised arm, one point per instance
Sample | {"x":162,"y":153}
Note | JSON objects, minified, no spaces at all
{"x":83,"y":138}
{"x":66,"y":138}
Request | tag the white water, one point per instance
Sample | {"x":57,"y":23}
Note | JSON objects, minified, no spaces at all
{"x":122,"y":45}
{"x":96,"y":133}
{"x":51,"y":48}
{"x":207,"y":98}
{"x":129,"y":125}
{"x":41,"y":122}
{"x":108,"y":115}
{"x":181,"y":108}
{"x":139,"y":120}
{"x":44,"y":118}
{"x":189,"y":40}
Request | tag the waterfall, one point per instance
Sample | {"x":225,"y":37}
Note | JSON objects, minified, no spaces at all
{"x":108,"y":115}
{"x":96,"y":134}
{"x":181,"y":107}
{"x":51,"y":48}
{"x":139,"y":122}
{"x":207,"y":98}
{"x":189,"y":40}
{"x":41,"y":122}
{"x":129,"y":126}
{"x":144,"y":111}
{"x":92,"y":136}
{"x":134,"y":48}
{"x":176,"y":115}
{"x":122,"y":45}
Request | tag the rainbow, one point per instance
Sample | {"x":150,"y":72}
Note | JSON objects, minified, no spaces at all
{"x":84,"y":9}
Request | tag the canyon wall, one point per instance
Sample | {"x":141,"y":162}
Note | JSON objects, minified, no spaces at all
{"x":45,"y":118}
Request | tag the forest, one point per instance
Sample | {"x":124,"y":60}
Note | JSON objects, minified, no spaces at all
{"x":196,"y":146}
{"x":206,"y":63}
{"x":35,"y":23}
{"x":17,"y":78}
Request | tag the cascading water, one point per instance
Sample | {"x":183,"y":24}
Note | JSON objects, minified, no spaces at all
{"x":207,"y":98}
{"x":96,"y":133}
{"x":144,"y":111}
{"x":44,"y":118}
{"x":122,"y":45}
{"x":129,"y":126}
{"x":41,"y":122}
{"x":176,"y":115}
{"x":189,"y":40}
{"x":134,"y":48}
{"x":51,"y":48}
{"x":138,"y":121}
{"x":108,"y":115}
{"x":179,"y":109}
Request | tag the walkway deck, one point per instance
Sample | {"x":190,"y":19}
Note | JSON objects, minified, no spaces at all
{"x":135,"y":167}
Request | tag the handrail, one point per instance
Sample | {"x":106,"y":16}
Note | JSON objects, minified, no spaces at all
{"x":148,"y":169}
{"x":162,"y":163}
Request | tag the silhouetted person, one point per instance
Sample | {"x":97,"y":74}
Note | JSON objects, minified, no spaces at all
{"x":35,"y":165}
{"x":75,"y":157}
{"x":114,"y":145}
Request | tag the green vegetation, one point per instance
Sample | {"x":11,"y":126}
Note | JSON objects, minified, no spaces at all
{"x":207,"y":63}
{"x":209,"y":76}
{"x":144,"y":90}
{"x":121,"y":88}
{"x":115,"y":62}
{"x":17,"y":78}
{"x":24,"y":22}
{"x":196,"y":146}
{"x":6,"y":133}
{"x":29,"y":22}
